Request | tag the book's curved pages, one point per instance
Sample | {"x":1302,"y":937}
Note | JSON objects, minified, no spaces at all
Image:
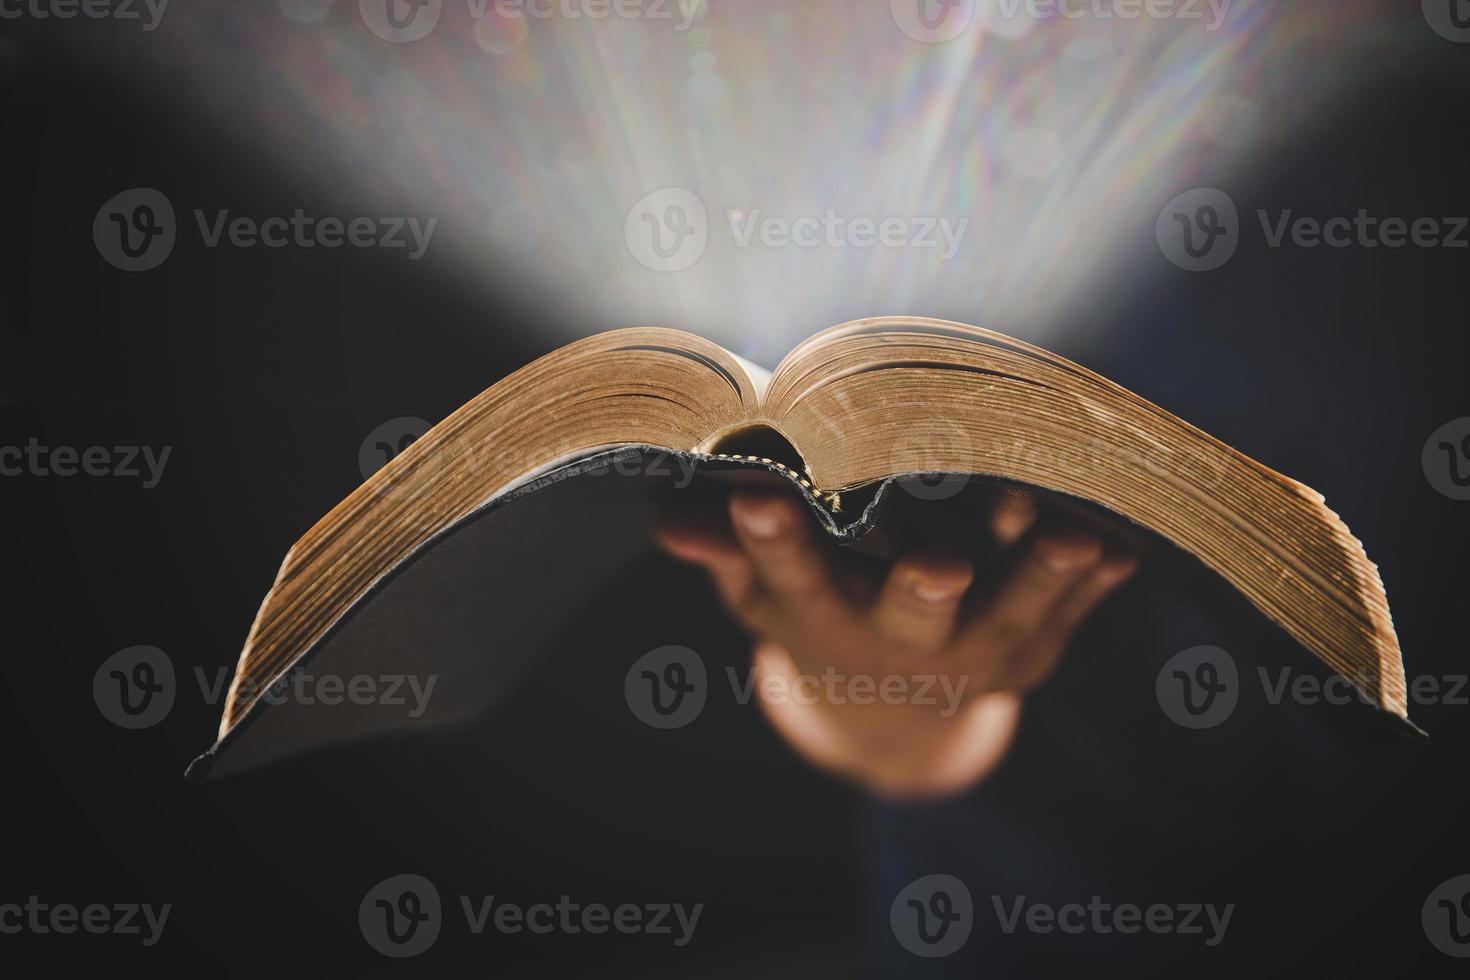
{"x":862,"y":403}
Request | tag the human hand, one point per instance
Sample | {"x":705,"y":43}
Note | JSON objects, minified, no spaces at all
{"x":821,"y":626}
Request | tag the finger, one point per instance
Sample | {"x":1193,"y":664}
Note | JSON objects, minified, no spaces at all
{"x":921,"y":598}
{"x":716,"y":550}
{"x":772,"y":531}
{"x":812,"y":733}
{"x":1035,"y":662}
{"x":1012,"y":517}
{"x":1053,"y":560}
{"x":695,"y":538}
{"x":1074,"y":608}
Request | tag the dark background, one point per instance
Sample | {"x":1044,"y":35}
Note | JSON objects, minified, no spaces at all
{"x":265,"y":369}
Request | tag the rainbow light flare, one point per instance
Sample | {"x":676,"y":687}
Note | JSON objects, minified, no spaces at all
{"x":1056,"y":141}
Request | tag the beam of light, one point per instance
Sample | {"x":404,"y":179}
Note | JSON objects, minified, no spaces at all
{"x":1056,"y":141}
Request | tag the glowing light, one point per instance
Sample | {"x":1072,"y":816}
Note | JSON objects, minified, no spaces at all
{"x":305,"y":11}
{"x":1055,"y":141}
{"x":496,"y":34}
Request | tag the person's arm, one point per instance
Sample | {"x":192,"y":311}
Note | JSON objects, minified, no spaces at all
{"x":820,"y":633}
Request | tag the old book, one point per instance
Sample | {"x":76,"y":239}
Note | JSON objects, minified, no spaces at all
{"x":440,"y":561}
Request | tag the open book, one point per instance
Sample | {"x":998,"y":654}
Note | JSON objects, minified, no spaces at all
{"x":861,"y":404}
